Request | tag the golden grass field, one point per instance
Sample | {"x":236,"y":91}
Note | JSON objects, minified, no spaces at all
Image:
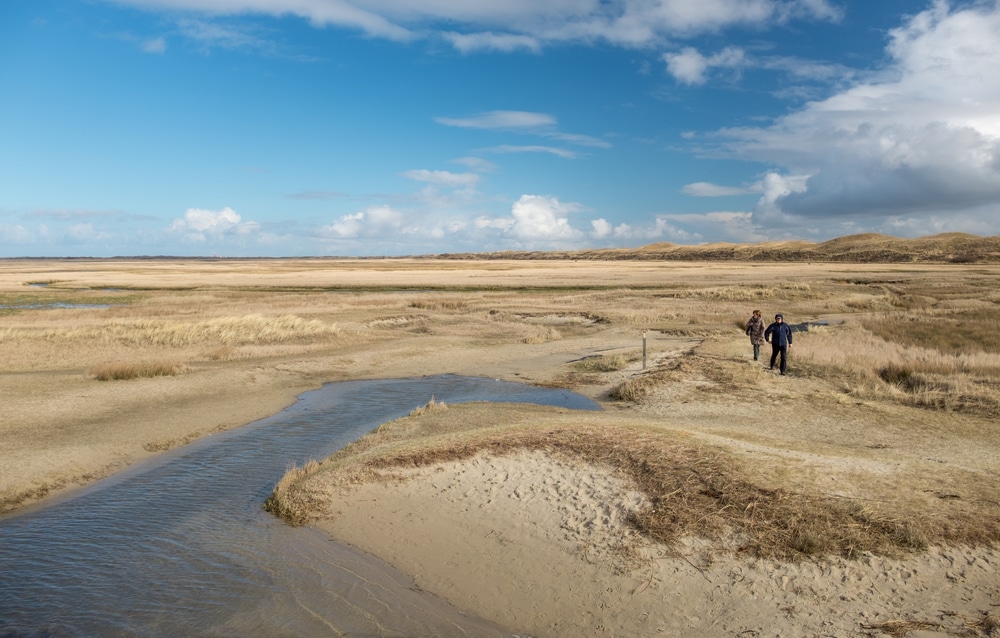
{"x":882,"y":440}
{"x":885,"y":427}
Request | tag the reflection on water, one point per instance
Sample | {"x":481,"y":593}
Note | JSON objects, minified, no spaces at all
{"x":180,"y":545}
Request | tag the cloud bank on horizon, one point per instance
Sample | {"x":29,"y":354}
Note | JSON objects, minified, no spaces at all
{"x":388,"y":127}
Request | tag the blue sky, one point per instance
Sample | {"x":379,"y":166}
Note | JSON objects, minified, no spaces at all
{"x":402,"y":127}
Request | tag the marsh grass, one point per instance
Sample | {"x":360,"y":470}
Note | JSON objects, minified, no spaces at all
{"x":231,"y":331}
{"x":924,"y":372}
{"x":135,"y":370}
{"x":692,"y":490}
{"x":969,"y":331}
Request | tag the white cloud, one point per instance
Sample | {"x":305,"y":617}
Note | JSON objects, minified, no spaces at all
{"x":920,"y":140}
{"x":707,"y":189}
{"x":509,"y":25}
{"x":506,"y":120}
{"x":691,"y":67}
{"x":527,"y":122}
{"x":542,"y":218}
{"x":16,"y":234}
{"x":199,"y":224}
{"x":532,"y":148}
{"x":154,"y":45}
{"x":443,"y":178}
{"x":581,"y":140}
{"x":535,"y":222}
{"x":601,"y":228}
{"x":372,"y":222}
{"x":504,"y":42}
{"x":477,"y":164}
{"x":82,"y":233}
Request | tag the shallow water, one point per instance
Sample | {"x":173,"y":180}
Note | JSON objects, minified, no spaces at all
{"x":179,"y":546}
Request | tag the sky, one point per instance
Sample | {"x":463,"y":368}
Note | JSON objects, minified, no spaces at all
{"x":284,"y":128}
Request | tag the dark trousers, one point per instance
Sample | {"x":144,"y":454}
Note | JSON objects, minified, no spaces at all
{"x":756,"y":351}
{"x":775,"y":351}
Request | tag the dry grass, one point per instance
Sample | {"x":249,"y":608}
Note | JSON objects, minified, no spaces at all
{"x":248,"y":329}
{"x":875,"y":355}
{"x":921,"y":337}
{"x":895,"y":365}
{"x":142,"y":370}
{"x":606,"y":363}
{"x":692,"y":490}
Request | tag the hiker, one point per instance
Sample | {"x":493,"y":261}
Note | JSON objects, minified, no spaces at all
{"x":779,"y":335}
{"x":755,"y":330}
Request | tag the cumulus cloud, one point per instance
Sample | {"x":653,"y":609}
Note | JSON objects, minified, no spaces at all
{"x":372,"y":222}
{"x":538,"y":217}
{"x":510,"y":25}
{"x":922,"y":139}
{"x":199,"y":224}
{"x":535,"y":222}
{"x":601,"y":228}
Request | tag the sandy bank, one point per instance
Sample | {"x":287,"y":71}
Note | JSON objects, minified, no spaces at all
{"x":540,"y":545}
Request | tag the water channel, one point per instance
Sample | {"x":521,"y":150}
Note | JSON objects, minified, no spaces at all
{"x":179,"y":545}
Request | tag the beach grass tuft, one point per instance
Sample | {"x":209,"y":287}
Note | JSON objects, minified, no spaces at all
{"x":135,"y":370}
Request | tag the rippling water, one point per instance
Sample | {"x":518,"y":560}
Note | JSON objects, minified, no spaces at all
{"x":180,"y":546}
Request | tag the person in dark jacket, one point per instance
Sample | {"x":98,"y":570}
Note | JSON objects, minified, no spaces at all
{"x":779,"y":335}
{"x":755,"y":330}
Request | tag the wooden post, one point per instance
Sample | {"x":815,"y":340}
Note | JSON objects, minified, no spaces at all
{"x":643,"y":349}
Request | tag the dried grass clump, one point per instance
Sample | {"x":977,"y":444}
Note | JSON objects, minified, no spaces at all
{"x":287,"y":503}
{"x":604,"y":363}
{"x":542,"y":336}
{"x":692,"y":491}
{"x":634,"y":388}
{"x":140,"y":370}
{"x":430,"y":406}
{"x":440,"y":304}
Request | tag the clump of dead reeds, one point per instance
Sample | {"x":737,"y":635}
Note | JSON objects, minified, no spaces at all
{"x":135,"y":370}
{"x":634,"y":388}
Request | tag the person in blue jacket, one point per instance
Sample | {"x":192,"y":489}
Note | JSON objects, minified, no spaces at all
{"x":779,"y":335}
